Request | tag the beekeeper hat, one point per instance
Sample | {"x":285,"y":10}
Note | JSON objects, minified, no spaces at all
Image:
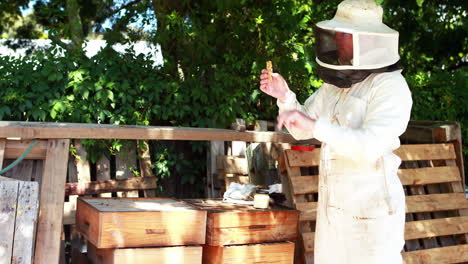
{"x":359,"y":16}
{"x":375,"y":45}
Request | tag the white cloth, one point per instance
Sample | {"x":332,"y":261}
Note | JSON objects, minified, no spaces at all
{"x":361,"y":209}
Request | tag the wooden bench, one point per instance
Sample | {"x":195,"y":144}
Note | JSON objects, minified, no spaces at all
{"x":437,"y":219}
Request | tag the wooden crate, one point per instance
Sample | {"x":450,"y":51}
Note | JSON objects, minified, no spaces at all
{"x":229,"y":224}
{"x":149,"y":255}
{"x":278,"y":253}
{"x":140,"y":222}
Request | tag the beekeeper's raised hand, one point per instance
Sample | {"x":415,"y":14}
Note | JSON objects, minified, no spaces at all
{"x":277,"y":87}
{"x":295,"y":120}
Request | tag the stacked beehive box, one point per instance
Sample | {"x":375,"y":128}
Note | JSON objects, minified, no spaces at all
{"x":141,"y":230}
{"x":240,"y":234}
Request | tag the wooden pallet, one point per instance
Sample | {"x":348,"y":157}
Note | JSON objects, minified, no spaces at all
{"x":301,"y":185}
{"x":437,"y":219}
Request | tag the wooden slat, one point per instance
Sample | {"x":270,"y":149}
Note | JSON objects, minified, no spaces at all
{"x":49,"y":227}
{"x":15,"y":148}
{"x":436,"y":227}
{"x":308,"y":211}
{"x":303,"y":158}
{"x":94,"y":131}
{"x":96,"y":187}
{"x":304,"y":184}
{"x":8,"y":201}
{"x":26,"y":219}
{"x":436,"y":202}
{"x":429,"y":175}
{"x":309,"y":241}
{"x":452,"y":254}
{"x":426,"y":152}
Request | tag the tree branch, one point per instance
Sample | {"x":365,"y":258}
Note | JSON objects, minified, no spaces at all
{"x":59,"y":42}
{"x":108,"y":13}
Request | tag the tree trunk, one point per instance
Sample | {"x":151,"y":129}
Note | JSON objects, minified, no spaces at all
{"x":75,"y":25}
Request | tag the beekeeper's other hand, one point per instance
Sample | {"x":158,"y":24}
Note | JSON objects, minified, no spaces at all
{"x":277,"y":87}
{"x":295,"y":120}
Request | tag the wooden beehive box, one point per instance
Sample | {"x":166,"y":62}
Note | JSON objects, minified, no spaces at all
{"x":149,"y":255}
{"x":140,"y":222}
{"x":278,"y":253}
{"x":230,"y":224}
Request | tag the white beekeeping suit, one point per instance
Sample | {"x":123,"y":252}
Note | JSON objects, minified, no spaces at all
{"x":360,"y":111}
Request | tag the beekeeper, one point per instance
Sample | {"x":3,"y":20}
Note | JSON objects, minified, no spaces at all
{"x":358,"y":114}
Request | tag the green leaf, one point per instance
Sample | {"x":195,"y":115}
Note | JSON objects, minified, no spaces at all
{"x":42,"y":115}
{"x":420,"y":2}
{"x":379,"y":2}
{"x":53,"y":113}
{"x":110,"y":95}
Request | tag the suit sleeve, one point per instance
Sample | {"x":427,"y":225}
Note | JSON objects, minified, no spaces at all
{"x":311,"y":108}
{"x":386,"y":118}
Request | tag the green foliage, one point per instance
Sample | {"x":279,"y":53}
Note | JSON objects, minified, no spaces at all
{"x":109,"y":88}
{"x":177,"y":168}
{"x":220,"y":48}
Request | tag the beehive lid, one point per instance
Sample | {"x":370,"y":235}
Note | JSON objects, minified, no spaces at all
{"x":137,"y":205}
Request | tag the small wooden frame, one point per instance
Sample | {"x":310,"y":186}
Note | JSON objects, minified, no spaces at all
{"x":230,"y":224}
{"x":140,"y":222}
